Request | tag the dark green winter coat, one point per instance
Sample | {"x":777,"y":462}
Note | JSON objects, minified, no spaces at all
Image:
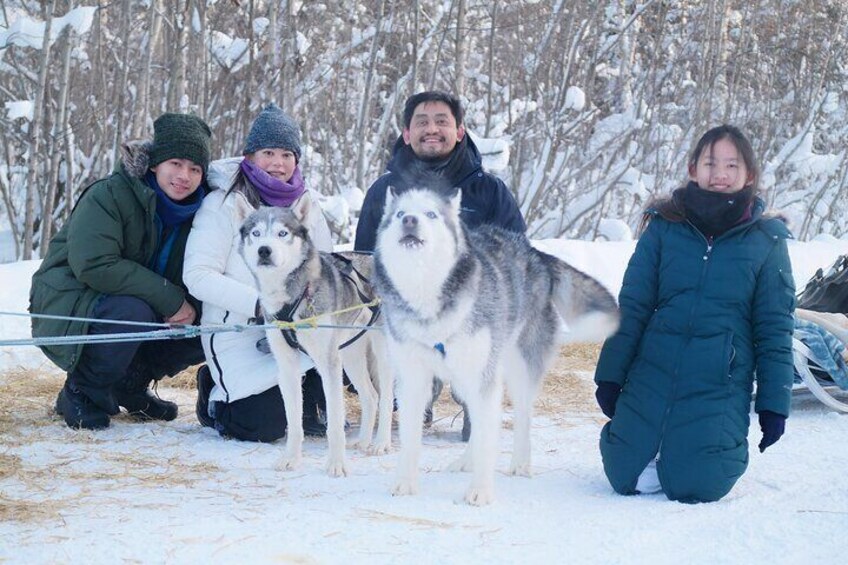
{"x":698,"y":321}
{"x":106,"y":247}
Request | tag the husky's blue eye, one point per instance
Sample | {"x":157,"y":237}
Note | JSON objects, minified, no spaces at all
{"x":400,"y":214}
{"x":282,"y":233}
{"x":256,"y":233}
{"x":431,"y":215}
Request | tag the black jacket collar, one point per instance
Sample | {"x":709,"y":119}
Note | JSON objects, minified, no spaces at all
{"x":463,"y":161}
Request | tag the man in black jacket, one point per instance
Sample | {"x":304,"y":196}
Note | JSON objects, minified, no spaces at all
{"x":435,"y":151}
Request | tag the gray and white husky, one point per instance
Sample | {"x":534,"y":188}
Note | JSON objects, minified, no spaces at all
{"x":290,"y":271}
{"x":477,"y":308}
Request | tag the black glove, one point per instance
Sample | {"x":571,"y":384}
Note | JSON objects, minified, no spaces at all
{"x":258,"y":319}
{"x":607,"y":396}
{"x":263,"y":347}
{"x":773,"y":426}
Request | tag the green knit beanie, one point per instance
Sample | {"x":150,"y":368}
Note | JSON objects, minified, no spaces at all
{"x":181,"y":136}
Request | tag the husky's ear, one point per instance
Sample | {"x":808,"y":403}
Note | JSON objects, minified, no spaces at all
{"x":455,"y":197}
{"x":242,"y":208}
{"x":391,"y":195}
{"x":300,"y":208}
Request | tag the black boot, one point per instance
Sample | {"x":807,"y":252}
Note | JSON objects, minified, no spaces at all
{"x":132,"y":393}
{"x":205,"y":383}
{"x":79,"y":411}
{"x":314,"y":424}
{"x":315,"y":406}
{"x":466,"y":421}
{"x":466,"y":424}
{"x":438,"y":385}
{"x":314,"y":419}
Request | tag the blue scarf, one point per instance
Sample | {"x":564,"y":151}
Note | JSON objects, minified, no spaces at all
{"x":171,"y":212}
{"x":273,"y":191}
{"x":170,"y":215}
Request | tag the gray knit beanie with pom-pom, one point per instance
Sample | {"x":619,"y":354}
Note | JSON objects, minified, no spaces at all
{"x":273,"y":129}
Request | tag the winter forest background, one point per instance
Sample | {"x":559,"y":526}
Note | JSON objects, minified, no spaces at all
{"x":595,"y":104}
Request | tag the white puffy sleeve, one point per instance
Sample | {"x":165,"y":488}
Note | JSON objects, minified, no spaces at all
{"x":211,"y":248}
{"x":319,"y":231}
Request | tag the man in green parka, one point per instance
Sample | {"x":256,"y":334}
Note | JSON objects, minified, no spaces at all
{"x":119,"y":257}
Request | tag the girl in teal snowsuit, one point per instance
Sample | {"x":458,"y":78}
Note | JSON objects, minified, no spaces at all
{"x":706,"y":302}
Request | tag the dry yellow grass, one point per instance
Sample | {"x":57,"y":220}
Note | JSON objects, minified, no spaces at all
{"x":10,"y":465}
{"x":376,"y":515}
{"x":27,"y":416}
{"x":182,"y":381}
{"x":28,"y":398}
{"x":19,"y":510}
{"x":564,"y":391}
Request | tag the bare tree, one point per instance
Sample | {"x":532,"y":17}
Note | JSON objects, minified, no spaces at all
{"x":6,"y":188}
{"x":365,"y":103}
{"x":289,"y":65}
{"x":123,"y":82}
{"x":179,"y":55}
{"x":59,"y":136}
{"x":460,"y":42}
{"x":599,"y":100}
{"x":34,"y":178}
{"x":416,"y":31}
{"x":142,"y":111}
{"x":491,"y":71}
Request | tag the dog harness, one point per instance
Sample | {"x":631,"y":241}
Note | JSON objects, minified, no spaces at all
{"x":286,"y":314}
{"x":346,"y":268}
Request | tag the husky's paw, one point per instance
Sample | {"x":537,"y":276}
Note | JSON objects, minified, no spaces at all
{"x":461,"y":465}
{"x":476,"y":496}
{"x":336,"y":467}
{"x":519,"y":469}
{"x":380,"y":448}
{"x":405,"y":487}
{"x":361,"y":445}
{"x":289,"y":462}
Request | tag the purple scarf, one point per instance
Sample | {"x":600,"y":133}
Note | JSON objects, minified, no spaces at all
{"x":273,"y":191}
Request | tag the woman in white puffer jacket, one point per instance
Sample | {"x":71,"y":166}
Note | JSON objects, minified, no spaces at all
{"x":237,"y":389}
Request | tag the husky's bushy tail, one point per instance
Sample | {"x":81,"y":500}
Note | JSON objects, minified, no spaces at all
{"x":589,"y":310}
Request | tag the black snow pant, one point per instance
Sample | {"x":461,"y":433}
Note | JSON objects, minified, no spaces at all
{"x":262,"y":417}
{"x":104,"y":365}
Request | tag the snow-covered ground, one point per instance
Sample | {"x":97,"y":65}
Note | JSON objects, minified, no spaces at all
{"x":177,"y":493}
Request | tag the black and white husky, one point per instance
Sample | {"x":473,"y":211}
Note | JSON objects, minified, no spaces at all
{"x":295,"y":279}
{"x":476,"y":308}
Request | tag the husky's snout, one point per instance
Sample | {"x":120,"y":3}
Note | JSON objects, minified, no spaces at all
{"x":410,"y":222}
{"x":264,"y":253}
{"x":409,"y":229}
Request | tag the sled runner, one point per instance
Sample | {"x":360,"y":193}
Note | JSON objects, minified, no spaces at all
{"x":823,"y":305}
{"x":813,"y":368}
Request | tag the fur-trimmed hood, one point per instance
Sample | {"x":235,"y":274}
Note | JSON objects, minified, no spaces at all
{"x":135,"y":157}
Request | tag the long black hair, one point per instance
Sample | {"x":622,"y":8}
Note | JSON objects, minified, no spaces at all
{"x":243,"y":186}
